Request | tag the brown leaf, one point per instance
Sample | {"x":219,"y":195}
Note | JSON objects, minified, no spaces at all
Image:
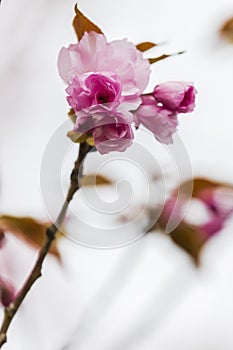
{"x":71,"y":112}
{"x":72,"y":115}
{"x":82,"y":24}
{"x":163,"y":57}
{"x":199,"y":184}
{"x":93,"y":180}
{"x":29,"y":229}
{"x":147,"y":45}
{"x":186,"y":236}
{"x":227,"y":30}
{"x":190,"y":239}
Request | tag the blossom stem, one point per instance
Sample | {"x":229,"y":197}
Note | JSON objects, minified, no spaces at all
{"x":51,"y":232}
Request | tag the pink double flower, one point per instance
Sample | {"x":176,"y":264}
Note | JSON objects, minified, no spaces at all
{"x":159,"y":110}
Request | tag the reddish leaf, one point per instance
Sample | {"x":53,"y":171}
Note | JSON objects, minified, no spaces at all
{"x":29,"y":229}
{"x":190,"y":239}
{"x":95,"y":180}
{"x":200,"y":184}
{"x":72,"y":115}
{"x":163,"y":57}
{"x":186,"y":236}
{"x":82,"y":24}
{"x":147,"y":45}
{"x":227,"y":30}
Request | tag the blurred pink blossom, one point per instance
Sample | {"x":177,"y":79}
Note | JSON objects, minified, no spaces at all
{"x":16,"y":260}
{"x":218,"y":205}
{"x":7,"y":292}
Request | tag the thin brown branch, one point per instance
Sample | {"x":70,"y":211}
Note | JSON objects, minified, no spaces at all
{"x":51,"y":232}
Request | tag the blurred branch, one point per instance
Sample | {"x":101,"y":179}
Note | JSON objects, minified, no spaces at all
{"x":51,"y":232}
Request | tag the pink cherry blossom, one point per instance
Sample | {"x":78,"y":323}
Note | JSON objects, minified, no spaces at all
{"x":178,"y":96}
{"x":158,"y":119}
{"x":113,"y":137}
{"x":89,"y":90}
{"x":111,"y":129}
{"x":93,"y":54}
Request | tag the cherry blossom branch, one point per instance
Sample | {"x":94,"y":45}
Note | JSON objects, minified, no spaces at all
{"x":51,"y":232}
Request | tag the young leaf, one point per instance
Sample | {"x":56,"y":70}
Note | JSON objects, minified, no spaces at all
{"x":227,"y":30}
{"x":163,"y":57}
{"x":199,"y":184}
{"x":190,"y":239}
{"x":93,"y":180}
{"x":78,"y":137}
{"x":82,"y":24}
{"x":29,"y":229}
{"x":72,"y":115}
{"x":90,"y":141}
{"x":186,"y":236}
{"x":147,"y":45}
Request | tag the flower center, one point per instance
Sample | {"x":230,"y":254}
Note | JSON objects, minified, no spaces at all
{"x":104,"y":89}
{"x":103,"y":98}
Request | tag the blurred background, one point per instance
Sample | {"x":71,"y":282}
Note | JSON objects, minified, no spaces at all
{"x":148,"y":294}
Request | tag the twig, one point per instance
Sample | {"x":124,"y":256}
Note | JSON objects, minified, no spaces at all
{"x":51,"y":232}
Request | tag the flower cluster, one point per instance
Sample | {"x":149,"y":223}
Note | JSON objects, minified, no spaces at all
{"x":106,"y":82}
{"x":158,"y":111}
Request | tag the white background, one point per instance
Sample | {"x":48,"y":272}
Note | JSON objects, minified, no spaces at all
{"x":147,"y":295}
